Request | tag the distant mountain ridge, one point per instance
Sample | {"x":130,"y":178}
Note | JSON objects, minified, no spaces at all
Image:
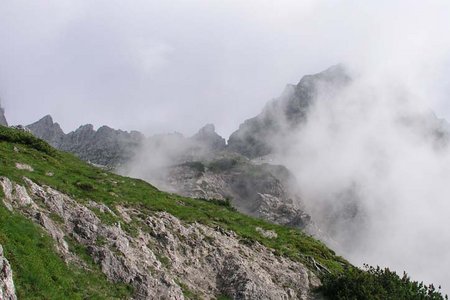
{"x":105,"y":146}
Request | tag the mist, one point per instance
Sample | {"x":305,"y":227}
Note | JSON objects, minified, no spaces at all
{"x":374,"y":169}
{"x":170,"y":66}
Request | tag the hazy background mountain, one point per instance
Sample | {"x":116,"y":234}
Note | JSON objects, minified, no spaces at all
{"x":131,"y":66}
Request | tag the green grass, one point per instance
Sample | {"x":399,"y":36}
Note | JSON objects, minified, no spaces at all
{"x":39,"y":273}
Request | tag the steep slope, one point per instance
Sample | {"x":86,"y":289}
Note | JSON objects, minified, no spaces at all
{"x":257,"y":136}
{"x":122,"y":230}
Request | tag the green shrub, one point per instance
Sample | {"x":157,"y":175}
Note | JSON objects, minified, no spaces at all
{"x":376,"y":283}
{"x":85,"y":186}
{"x":22,"y":137}
{"x":223,"y":164}
{"x":195,"y":165}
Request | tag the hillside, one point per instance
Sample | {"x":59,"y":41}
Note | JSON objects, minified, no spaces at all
{"x":68,"y":226}
{"x":73,"y":231}
{"x":197,"y":166}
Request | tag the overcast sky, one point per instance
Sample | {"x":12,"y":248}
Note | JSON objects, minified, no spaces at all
{"x":164,"y":66}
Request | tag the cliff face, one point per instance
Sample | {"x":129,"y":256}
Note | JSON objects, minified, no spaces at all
{"x":257,"y":136}
{"x":105,"y":146}
{"x":3,"y":121}
{"x":264,"y":191}
{"x":47,"y":130}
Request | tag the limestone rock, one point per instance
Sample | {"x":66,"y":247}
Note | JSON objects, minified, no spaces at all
{"x":7,"y":289}
{"x":25,"y":167}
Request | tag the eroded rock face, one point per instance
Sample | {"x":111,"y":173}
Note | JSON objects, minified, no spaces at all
{"x":7,"y":289}
{"x":162,"y":258}
{"x":209,"y":138}
{"x":263,"y":191}
{"x":105,"y":146}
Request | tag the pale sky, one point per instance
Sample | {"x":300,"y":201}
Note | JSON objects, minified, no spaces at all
{"x":164,"y":66}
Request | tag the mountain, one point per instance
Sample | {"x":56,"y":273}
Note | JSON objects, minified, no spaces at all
{"x":70,"y":228}
{"x":172,"y":163}
{"x":74,"y":231}
{"x":3,"y":121}
{"x":207,"y":136}
{"x":258,"y":136}
{"x":264,"y":191}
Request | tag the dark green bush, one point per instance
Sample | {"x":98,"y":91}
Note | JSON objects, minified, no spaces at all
{"x":85,"y":186}
{"x":223,"y":164}
{"x":376,"y":283}
{"x":22,"y":137}
{"x":195,"y":165}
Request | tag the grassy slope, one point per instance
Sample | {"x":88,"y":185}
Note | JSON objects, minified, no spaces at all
{"x":41,"y":273}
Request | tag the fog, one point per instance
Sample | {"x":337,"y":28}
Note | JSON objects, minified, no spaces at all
{"x":374,"y":173}
{"x":164,"y":66}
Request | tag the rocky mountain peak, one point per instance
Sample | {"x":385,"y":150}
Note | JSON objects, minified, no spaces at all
{"x":208,"y":136}
{"x":254,"y":137}
{"x":46,"y":129}
{"x":46,"y":120}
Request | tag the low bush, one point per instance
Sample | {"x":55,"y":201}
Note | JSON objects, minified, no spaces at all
{"x":376,"y":283}
{"x":23,"y":137}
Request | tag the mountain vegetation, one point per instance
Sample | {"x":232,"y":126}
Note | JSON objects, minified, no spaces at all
{"x":41,"y":271}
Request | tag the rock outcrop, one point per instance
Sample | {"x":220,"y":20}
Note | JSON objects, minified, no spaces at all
{"x":208,"y":137}
{"x":162,"y":258}
{"x":3,"y":121}
{"x":264,"y":191}
{"x":259,"y":135}
{"x":7,"y":289}
{"x":48,"y":130}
